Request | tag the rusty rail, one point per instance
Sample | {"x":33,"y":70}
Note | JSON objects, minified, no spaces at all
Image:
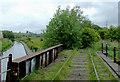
{"x":62,"y":66}
{"x":23,"y":66}
{"x":94,"y":67}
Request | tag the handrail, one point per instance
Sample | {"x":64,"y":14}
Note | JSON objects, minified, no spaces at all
{"x":18,"y":60}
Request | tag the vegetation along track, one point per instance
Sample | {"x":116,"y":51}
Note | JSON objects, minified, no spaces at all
{"x":84,"y":65}
{"x":74,"y":65}
{"x":101,"y":71}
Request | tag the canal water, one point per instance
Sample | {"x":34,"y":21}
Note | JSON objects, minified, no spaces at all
{"x":17,"y":51}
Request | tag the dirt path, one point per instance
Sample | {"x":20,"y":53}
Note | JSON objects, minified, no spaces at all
{"x":79,"y":67}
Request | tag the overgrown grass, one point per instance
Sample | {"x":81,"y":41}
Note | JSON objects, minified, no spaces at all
{"x":111,"y":45}
{"x":66,"y":69}
{"x":97,"y":60}
{"x":5,"y":44}
{"x":49,"y":72}
{"x":32,"y":43}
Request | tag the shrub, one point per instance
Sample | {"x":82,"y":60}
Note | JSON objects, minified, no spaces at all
{"x":89,"y":36}
{"x":8,"y":34}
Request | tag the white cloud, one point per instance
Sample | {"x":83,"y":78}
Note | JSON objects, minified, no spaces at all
{"x":17,"y":14}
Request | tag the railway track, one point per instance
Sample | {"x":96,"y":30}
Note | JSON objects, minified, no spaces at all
{"x":62,"y":66}
{"x":100,"y":69}
{"x":81,"y":68}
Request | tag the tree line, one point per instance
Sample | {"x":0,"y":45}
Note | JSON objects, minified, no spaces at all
{"x":71,"y":28}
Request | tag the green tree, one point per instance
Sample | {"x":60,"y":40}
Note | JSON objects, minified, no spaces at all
{"x":8,"y":34}
{"x":96,"y":27}
{"x":112,"y":33}
{"x":89,"y":36}
{"x":65,"y":27}
{"x":103,"y":33}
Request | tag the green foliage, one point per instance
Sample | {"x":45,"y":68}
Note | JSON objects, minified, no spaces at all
{"x":96,"y":27}
{"x":8,"y":34}
{"x":6,"y":44}
{"x":103,"y":33}
{"x":89,"y":36}
{"x":112,"y":32}
{"x":65,"y":28}
{"x":33,"y":43}
{"x":28,"y":38}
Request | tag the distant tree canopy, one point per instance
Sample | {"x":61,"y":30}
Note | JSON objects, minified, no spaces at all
{"x":111,"y":33}
{"x":66,"y":28}
{"x":8,"y":34}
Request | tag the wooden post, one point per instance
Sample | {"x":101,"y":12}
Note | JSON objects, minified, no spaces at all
{"x":114,"y":54}
{"x":37,"y":63}
{"x":102,"y":47}
{"x":57,"y":52}
{"x":50,"y":56}
{"x":106,"y":51}
{"x":30,"y":66}
{"x":9,"y":67}
{"x":45,"y":59}
{"x":53,"y":55}
{"x":42,"y":61}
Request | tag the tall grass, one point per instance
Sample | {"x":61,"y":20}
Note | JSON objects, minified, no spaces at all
{"x":111,"y":45}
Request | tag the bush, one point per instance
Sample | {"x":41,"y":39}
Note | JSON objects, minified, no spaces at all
{"x":89,"y":36}
{"x":8,"y":34}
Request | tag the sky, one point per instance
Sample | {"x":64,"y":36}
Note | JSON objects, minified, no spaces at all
{"x":34,"y":15}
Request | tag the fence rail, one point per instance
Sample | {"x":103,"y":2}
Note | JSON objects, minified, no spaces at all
{"x":21,"y":67}
{"x":114,"y":55}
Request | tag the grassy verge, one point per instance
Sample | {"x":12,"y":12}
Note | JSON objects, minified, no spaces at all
{"x":49,"y":72}
{"x":97,"y":47}
{"x":5,"y":44}
{"x":100,"y":65}
{"x":32,"y":43}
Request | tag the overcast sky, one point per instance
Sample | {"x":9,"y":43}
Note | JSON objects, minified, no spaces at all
{"x":34,"y":15}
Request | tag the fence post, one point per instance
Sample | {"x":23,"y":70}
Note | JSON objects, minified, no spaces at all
{"x":114,"y":54}
{"x":106,"y":50}
{"x":53,"y":55}
{"x":9,"y":67}
{"x":102,"y":47}
{"x":42,"y":61}
{"x":30,"y":66}
{"x":45,"y":59}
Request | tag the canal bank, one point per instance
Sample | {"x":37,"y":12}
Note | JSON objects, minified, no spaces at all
{"x":17,"y":51}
